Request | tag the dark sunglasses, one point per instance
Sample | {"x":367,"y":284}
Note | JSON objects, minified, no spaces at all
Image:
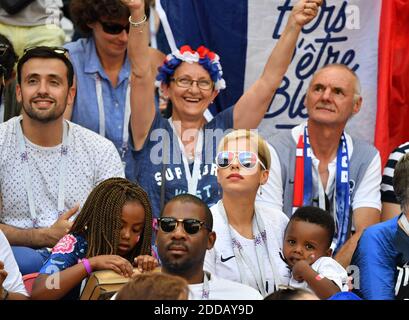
{"x":57,"y":50}
{"x":247,"y":159}
{"x":191,"y":226}
{"x":113,"y":28}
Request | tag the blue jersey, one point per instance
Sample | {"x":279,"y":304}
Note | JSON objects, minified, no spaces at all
{"x":382,"y":258}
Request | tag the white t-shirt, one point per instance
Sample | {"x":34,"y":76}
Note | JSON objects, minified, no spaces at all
{"x":367,"y":194}
{"x":220,"y":260}
{"x":222,"y":289}
{"x":14,"y":281}
{"x":91,"y":159}
{"x":330,"y":269}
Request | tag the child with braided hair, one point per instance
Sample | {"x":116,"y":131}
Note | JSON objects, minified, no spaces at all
{"x":112,"y":231}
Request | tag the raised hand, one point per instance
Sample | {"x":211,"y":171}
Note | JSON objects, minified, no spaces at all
{"x":305,"y":10}
{"x":61,"y":227}
{"x":145,"y":263}
{"x":112,"y":262}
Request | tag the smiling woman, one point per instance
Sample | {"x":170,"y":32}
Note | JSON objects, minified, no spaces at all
{"x":192,"y":79}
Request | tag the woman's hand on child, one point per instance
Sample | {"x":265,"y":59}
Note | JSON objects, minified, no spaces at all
{"x":112,"y":262}
{"x":145,"y":263}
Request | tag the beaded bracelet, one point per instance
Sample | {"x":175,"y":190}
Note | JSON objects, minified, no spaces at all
{"x":137,"y":24}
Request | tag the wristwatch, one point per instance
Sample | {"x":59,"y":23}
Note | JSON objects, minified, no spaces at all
{"x":4,"y":294}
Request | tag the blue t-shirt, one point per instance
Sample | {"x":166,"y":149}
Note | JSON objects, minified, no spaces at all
{"x":85,"y":112}
{"x":149,"y":161}
{"x":65,"y":254}
{"x":382,"y":256}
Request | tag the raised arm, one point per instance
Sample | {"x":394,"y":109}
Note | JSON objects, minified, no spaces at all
{"x":251,"y":107}
{"x":142,"y":78}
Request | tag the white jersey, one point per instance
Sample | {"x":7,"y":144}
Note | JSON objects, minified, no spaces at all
{"x":222,"y":289}
{"x":221,"y":261}
{"x":91,"y":159}
{"x":14,"y":281}
{"x":330,"y":269}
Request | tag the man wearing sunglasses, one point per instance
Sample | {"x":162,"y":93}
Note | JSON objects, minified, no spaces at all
{"x":318,"y":163}
{"x":184,"y":235}
{"x":103,"y":70}
{"x":48,"y":165}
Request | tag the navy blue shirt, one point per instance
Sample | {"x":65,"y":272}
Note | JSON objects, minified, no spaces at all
{"x":149,"y":161}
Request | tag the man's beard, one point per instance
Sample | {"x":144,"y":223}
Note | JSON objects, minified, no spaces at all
{"x":48,"y":116}
{"x":176,"y":267}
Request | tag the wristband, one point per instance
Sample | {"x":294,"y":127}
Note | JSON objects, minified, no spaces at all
{"x":87,"y":266}
{"x":319,"y":277}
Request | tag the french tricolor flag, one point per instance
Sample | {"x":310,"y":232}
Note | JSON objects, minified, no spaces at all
{"x":370,"y":36}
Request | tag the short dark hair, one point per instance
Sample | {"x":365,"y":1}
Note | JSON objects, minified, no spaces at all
{"x":186,"y":197}
{"x":8,"y":58}
{"x":317,"y":216}
{"x":45,"y":52}
{"x":84,"y":12}
{"x":401,"y":182}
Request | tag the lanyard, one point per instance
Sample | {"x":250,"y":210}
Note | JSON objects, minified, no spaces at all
{"x":192,"y":179}
{"x":127,"y":114}
{"x":24,"y":156}
{"x":206,"y":288}
{"x":303,"y":184}
{"x":260,"y":241}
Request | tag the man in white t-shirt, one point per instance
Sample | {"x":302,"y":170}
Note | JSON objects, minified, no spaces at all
{"x":47,"y":165}
{"x":184,"y":235}
{"x":317,"y":163}
{"x":11,"y":281}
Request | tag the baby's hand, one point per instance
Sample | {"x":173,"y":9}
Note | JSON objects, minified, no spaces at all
{"x":300,"y":267}
{"x":145,"y":263}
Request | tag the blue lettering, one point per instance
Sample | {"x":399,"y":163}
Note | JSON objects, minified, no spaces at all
{"x":321,"y":51}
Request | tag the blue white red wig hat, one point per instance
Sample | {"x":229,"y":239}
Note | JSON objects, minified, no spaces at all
{"x":206,"y":58}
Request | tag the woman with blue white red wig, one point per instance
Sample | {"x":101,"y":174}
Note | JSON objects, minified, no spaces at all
{"x":176,"y":155}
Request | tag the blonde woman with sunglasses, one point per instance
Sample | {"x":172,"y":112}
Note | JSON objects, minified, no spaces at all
{"x":249,"y":235}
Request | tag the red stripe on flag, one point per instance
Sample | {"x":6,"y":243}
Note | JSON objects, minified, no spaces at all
{"x":392,"y":119}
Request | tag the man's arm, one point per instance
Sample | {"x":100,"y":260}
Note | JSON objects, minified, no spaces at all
{"x":41,"y":237}
{"x":33,"y":238}
{"x":362,"y":218}
{"x":390,"y":210}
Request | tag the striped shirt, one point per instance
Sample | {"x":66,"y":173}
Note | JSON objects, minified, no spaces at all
{"x":387,"y":192}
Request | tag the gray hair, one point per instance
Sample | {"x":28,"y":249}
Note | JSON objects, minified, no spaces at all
{"x":401,"y":182}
